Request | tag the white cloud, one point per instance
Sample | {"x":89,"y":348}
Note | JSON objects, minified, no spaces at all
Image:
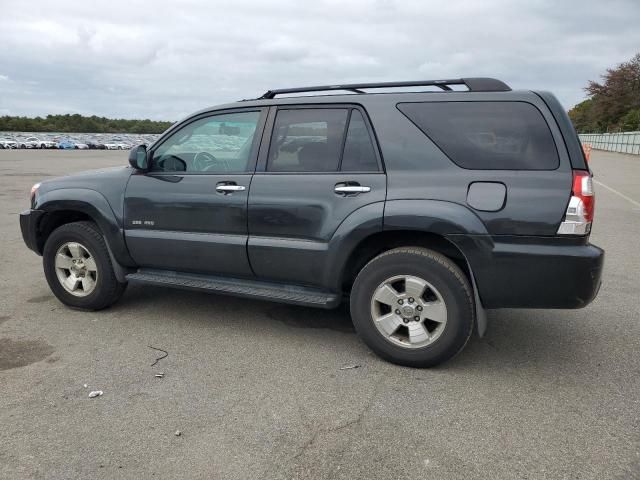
{"x":163,"y":59}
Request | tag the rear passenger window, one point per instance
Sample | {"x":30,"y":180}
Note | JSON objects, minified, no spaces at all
{"x":487,"y":135}
{"x":359,"y":155}
{"x":307,"y":140}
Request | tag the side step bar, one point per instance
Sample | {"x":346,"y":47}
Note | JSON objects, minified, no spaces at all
{"x":275,"y":292}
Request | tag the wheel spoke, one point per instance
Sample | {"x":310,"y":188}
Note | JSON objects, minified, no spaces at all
{"x":389,"y":323}
{"x":435,"y":311}
{"x":75,"y":250}
{"x":88,"y":283}
{"x":414,"y":287}
{"x":63,"y":261}
{"x":387,"y":295}
{"x":417,"y":332}
{"x":90,"y":264}
{"x":71,"y":282}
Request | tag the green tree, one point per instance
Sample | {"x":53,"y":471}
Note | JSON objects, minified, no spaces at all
{"x":76,"y":123}
{"x":612,"y":103}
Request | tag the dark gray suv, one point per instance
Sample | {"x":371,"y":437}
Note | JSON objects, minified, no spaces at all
{"x":421,"y":209}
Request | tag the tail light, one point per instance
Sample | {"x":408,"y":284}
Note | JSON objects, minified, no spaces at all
{"x":579,"y":215}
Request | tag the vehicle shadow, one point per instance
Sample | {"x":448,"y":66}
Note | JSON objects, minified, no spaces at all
{"x":299,"y":317}
{"x":522,"y":339}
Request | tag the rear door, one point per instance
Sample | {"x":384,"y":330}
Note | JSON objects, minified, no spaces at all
{"x":320,"y":166}
{"x":189,"y":212}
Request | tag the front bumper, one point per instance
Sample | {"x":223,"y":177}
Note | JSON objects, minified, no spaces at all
{"x":29,"y":221}
{"x":533,"y":272}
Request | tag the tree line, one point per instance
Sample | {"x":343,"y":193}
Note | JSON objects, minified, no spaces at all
{"x":80,"y":124}
{"x":614,"y":104}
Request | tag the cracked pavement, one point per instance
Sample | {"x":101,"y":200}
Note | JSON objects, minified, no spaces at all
{"x":257,"y":391}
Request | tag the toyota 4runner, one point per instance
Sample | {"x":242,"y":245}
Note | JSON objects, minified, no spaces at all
{"x":421,"y":209}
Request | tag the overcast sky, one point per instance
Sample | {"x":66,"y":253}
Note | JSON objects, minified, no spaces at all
{"x":163,"y":59}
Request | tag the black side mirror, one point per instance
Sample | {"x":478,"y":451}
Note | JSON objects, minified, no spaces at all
{"x":138,"y":158}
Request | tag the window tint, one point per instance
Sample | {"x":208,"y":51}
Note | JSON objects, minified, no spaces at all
{"x":359,"y":155}
{"x":307,"y":140}
{"x":487,"y":135}
{"x":217,"y":144}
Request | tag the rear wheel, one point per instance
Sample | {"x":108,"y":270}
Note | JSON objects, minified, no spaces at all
{"x":413,"y":306}
{"x":78,"y":267}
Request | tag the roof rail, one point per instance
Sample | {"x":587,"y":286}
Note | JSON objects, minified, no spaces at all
{"x":477,"y":84}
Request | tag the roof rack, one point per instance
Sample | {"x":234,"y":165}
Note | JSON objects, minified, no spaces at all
{"x":479,"y":84}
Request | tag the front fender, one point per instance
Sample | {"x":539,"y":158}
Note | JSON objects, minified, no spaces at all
{"x":96,"y":206}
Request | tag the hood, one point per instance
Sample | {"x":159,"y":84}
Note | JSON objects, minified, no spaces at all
{"x":104,"y":180}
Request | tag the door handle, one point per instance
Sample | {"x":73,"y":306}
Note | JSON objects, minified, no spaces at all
{"x":351,"y":189}
{"x":229,"y":188}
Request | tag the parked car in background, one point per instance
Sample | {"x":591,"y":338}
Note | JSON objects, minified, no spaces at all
{"x":117,"y":145}
{"x":70,"y":144}
{"x":66,"y":144}
{"x":8,"y":143}
{"x":95,"y":144}
{"x":34,"y":142}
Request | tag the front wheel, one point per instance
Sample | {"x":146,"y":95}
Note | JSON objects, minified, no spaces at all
{"x":78,"y":267}
{"x":413,"y":306}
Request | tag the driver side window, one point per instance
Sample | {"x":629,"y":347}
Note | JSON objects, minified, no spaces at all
{"x":217,"y":144}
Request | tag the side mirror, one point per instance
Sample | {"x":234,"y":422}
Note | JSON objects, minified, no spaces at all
{"x":138,"y":158}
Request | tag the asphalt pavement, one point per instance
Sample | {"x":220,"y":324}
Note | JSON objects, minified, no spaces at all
{"x":257,"y":390}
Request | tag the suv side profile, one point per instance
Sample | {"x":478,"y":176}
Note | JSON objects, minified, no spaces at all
{"x":421,"y":209}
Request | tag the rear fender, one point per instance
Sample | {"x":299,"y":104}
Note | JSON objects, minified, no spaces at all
{"x":442,"y":218}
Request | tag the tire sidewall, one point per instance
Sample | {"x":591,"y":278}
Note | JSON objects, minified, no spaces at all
{"x":452,"y":286}
{"x":73,"y":233}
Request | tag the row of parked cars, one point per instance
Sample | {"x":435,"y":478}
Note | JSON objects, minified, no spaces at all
{"x":64,"y":143}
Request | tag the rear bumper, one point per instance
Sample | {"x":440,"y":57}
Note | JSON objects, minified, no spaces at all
{"x":29,"y":220}
{"x":533,"y":272}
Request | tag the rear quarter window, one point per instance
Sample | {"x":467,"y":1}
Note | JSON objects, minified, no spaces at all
{"x":487,"y":135}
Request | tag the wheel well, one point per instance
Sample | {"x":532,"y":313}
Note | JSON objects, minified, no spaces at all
{"x":52,"y":220}
{"x":378,"y":243}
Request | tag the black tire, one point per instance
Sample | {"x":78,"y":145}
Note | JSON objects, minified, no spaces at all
{"x":107,"y":288}
{"x":437,"y":270}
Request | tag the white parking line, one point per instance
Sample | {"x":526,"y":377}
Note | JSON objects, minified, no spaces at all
{"x":628,"y":199}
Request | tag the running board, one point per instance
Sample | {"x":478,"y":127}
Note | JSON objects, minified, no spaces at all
{"x":275,"y":292}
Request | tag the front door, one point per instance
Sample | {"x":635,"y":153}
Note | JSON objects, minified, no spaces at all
{"x":319,"y":168}
{"x":188,"y":213}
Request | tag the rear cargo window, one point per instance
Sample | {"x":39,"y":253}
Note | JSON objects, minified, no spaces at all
{"x":487,"y":135}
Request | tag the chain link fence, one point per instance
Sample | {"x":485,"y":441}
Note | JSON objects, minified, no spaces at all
{"x":627,"y":142}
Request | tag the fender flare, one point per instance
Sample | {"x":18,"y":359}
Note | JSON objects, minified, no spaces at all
{"x":360,"y":224}
{"x":428,"y":216}
{"x":96,"y":206}
{"x":445,"y":219}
